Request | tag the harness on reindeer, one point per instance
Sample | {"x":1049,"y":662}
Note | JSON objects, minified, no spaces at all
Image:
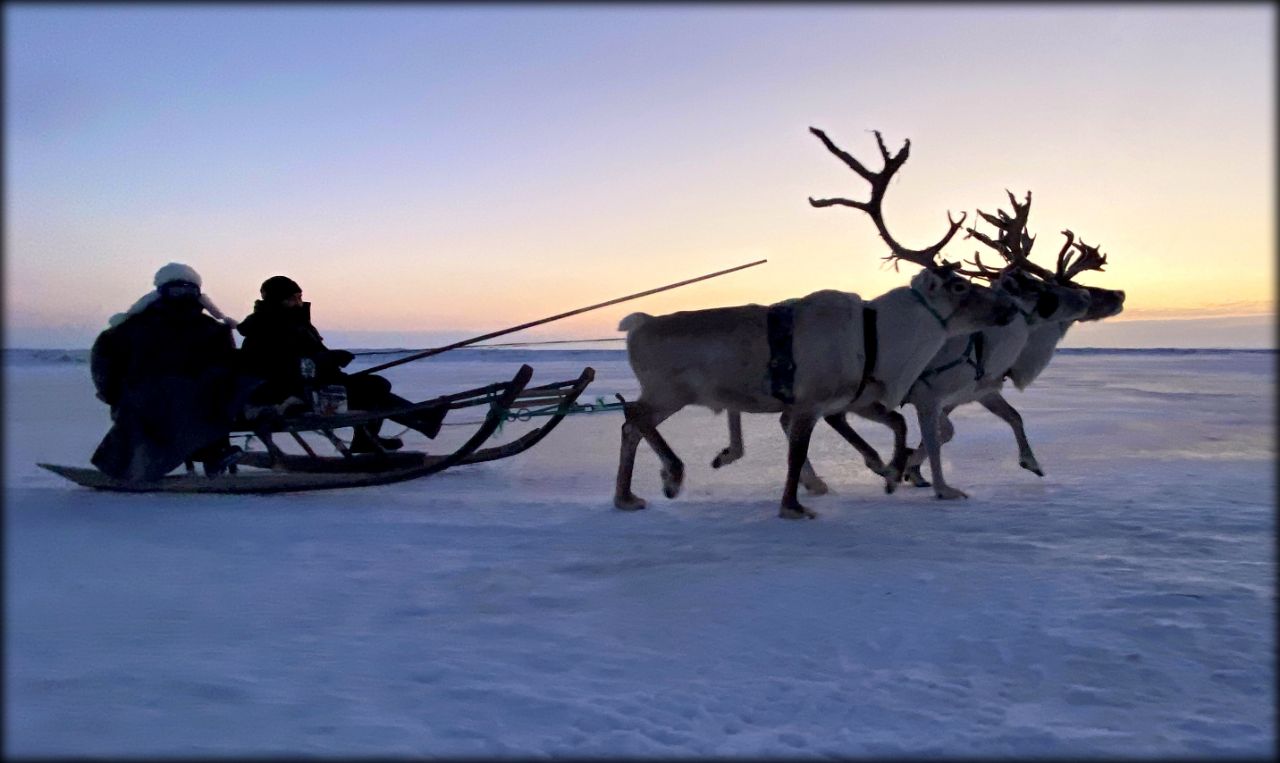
{"x":780,"y":323}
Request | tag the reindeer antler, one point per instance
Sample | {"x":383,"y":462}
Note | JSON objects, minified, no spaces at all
{"x":1064,"y":255}
{"x":983,"y":271}
{"x":1012,"y":242}
{"x":1089,"y":258}
{"x":879,"y":184}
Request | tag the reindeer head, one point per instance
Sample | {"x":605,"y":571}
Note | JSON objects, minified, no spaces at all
{"x":1104,"y":303}
{"x":959,"y":304}
{"x":1039,"y":296}
{"x":1057,"y":302}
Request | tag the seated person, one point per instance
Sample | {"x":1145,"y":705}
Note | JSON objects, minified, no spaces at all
{"x":279,"y":337}
{"x":168,"y":371}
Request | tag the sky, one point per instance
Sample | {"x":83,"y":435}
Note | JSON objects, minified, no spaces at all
{"x":435,"y":171}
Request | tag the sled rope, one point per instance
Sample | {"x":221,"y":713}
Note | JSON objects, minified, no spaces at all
{"x":540,"y":321}
{"x":502,"y":344}
{"x":524,"y":414}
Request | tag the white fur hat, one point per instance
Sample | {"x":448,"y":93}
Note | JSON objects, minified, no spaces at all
{"x":174,"y":271}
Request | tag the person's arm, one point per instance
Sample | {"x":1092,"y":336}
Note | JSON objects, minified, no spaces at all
{"x":105,"y":366}
{"x":327,"y":361}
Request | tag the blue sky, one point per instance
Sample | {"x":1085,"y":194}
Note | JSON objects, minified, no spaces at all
{"x":461,"y":168}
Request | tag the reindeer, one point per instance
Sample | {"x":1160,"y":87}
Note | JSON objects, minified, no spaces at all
{"x":969,"y":367}
{"x":949,"y":381}
{"x":1044,"y":338}
{"x":807,"y":356}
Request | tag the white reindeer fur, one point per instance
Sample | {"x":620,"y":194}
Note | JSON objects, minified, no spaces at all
{"x":907,"y":335}
{"x":1003,"y":347}
{"x":719,"y":358}
{"x":1044,"y":339}
{"x":1037,"y":351}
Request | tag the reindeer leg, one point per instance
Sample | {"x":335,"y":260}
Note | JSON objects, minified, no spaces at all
{"x":898,"y":423}
{"x":808,"y":477}
{"x":1000,"y":407}
{"x":911,"y":466}
{"x":623,"y":498}
{"x":928,"y":415}
{"x":672,"y":466}
{"x":798,"y":433}
{"x":870,"y":457}
{"x":642,"y":421}
{"x":840,"y":423}
{"x":946,"y":430}
{"x":897,"y":468}
{"x":734,"y":451}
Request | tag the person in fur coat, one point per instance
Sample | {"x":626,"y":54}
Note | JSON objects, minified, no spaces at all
{"x":169,"y":373}
{"x":279,"y":339}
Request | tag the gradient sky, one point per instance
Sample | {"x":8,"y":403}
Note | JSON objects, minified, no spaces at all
{"x":458,"y":169}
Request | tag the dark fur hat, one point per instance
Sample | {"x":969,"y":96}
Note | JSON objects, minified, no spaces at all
{"x":277,"y":288}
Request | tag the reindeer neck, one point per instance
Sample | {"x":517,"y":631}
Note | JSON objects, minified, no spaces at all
{"x":1004,"y":346}
{"x":909,"y":337}
{"x":1038,"y":351}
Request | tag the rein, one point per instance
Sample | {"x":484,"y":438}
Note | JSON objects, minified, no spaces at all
{"x":920,"y":298}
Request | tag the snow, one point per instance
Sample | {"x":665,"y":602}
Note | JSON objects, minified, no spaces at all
{"x":1123,"y":605}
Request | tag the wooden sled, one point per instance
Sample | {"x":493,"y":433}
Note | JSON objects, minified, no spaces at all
{"x":274,"y":471}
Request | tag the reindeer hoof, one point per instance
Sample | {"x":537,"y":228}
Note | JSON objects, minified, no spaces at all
{"x":916,"y":478}
{"x":817,"y":487}
{"x":724,"y":458}
{"x":797,"y":512}
{"x":1032,"y":467}
{"x":628,"y":502}
{"x":948,"y":493}
{"x":671,"y":481}
{"x":892,"y":476}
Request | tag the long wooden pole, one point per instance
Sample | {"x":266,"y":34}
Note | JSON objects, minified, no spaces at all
{"x":530,"y":324}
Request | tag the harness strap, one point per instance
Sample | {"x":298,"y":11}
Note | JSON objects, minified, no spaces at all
{"x":920,"y":298}
{"x":780,"y":321}
{"x":979,"y":344}
{"x":972,"y":355}
{"x":870,"y":342}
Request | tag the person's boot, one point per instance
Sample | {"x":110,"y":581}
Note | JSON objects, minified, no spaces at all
{"x":362,"y":443}
{"x":429,"y":421}
{"x":222,"y":461}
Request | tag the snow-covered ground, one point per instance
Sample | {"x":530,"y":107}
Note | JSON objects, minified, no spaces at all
{"x":1123,"y":605}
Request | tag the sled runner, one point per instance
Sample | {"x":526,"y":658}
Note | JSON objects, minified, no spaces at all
{"x":273,"y":470}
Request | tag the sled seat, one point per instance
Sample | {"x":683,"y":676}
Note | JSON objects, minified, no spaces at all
{"x":493,"y":396}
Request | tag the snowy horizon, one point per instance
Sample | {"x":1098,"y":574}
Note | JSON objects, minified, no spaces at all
{"x":1219,"y":332}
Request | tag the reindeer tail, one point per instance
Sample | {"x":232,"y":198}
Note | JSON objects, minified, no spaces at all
{"x":634,"y":321}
